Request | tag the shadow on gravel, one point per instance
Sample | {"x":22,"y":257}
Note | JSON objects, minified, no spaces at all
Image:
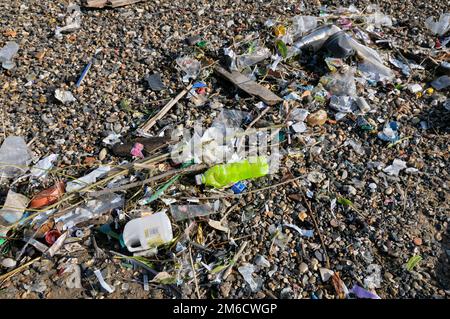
{"x":438,"y":119}
{"x":443,"y":264}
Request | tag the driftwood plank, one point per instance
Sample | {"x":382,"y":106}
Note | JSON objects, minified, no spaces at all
{"x":249,"y":86}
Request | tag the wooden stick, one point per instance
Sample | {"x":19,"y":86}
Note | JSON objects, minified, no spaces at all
{"x":149,"y":124}
{"x":190,"y":169}
{"x":235,"y":259}
{"x":195,"y":273}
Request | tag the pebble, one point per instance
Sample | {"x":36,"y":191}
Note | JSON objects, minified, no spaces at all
{"x":303,"y":268}
{"x":317,"y":118}
{"x":417,"y":241}
{"x":9,"y":263}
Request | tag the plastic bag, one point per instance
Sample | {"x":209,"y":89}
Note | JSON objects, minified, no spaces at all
{"x":258,"y":54}
{"x":7,"y":54}
{"x":73,"y":20}
{"x":14,"y":157}
{"x":302,"y":24}
{"x":87,"y":179}
{"x":439,"y":27}
{"x":340,"y":83}
{"x":189,"y":66}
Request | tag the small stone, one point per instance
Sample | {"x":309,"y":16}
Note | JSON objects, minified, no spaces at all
{"x":102,"y":154}
{"x":316,"y":177}
{"x":303,"y":268}
{"x":9,"y":263}
{"x":317,"y":118}
{"x":225,"y":289}
{"x":389,"y":191}
{"x":438,"y":236}
{"x":325,"y":274}
{"x":262,"y":261}
{"x":42,"y":99}
{"x":350,"y":189}
{"x":334,"y":223}
{"x":417,"y":241}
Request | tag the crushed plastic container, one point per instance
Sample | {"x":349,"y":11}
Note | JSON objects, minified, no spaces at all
{"x":227,"y":174}
{"x":147,"y":232}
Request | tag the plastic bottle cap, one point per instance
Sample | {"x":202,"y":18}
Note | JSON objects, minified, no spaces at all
{"x":198,"y":179}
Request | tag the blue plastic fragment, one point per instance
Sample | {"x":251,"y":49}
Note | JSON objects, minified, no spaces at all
{"x":198,"y":85}
{"x":238,"y":188}
{"x":394,"y":126}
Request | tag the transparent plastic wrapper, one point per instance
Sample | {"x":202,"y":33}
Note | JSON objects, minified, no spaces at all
{"x":7,"y":54}
{"x":40,"y":170}
{"x":302,"y":24}
{"x":340,"y":83}
{"x":395,"y":168}
{"x":13,"y":208}
{"x":247,"y":271}
{"x":339,"y":45}
{"x":102,"y":282}
{"x":245,"y":60}
{"x":379,"y":19}
{"x":73,"y":20}
{"x":182,"y":212}
{"x":189,"y":66}
{"x":92,"y":209}
{"x":371,"y":65}
{"x":441,"y":82}
{"x":440,"y":27}
{"x":343,"y":104}
{"x":14,"y":157}
{"x":87,"y":179}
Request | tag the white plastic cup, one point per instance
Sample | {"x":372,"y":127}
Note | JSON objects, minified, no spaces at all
{"x":147,"y":232}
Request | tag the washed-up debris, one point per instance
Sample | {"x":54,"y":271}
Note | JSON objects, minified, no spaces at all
{"x":92,"y":209}
{"x":390,"y":132}
{"x":102,"y":281}
{"x":48,"y":196}
{"x":302,"y":232}
{"x":147,"y":232}
{"x":131,"y":154}
{"x":87,"y":179}
{"x":249,"y":86}
{"x":441,"y":26}
{"x":13,"y":208}
{"x":14,"y":157}
{"x":247,"y":271}
{"x":395,"y":168}
{"x":182,"y":212}
{"x":154,"y":82}
{"x":413,"y":262}
{"x":41,"y":169}
{"x":73,"y":21}
{"x":7,"y":54}
{"x":64,"y":96}
{"x":362,"y":293}
{"x":227,"y":174}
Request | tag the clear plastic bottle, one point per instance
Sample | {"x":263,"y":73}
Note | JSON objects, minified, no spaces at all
{"x":227,"y":174}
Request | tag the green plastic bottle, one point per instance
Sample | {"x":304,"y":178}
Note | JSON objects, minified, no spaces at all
{"x":227,"y":174}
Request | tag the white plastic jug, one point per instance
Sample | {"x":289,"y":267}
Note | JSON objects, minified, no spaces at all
{"x":147,"y":232}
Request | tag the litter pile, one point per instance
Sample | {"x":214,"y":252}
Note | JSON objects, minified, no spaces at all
{"x":282,"y":165}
